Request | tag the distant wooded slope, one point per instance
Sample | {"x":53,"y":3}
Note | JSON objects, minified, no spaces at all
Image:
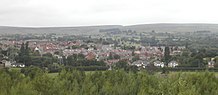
{"x":95,"y":29}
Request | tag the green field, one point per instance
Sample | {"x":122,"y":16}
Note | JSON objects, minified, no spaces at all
{"x":174,"y":73}
{"x":86,"y":72}
{"x":16,"y":69}
{"x":91,"y":72}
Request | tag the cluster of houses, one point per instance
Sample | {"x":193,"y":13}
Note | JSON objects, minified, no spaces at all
{"x":8,"y":64}
{"x":146,"y":55}
{"x":95,"y":51}
{"x":102,"y":52}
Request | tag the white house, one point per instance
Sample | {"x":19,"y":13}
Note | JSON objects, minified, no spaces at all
{"x":18,"y":65}
{"x":211,"y":64}
{"x":6,"y":63}
{"x":159,"y":64}
{"x":173,"y":64}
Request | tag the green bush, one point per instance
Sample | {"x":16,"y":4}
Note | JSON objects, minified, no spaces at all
{"x":34,"y":81}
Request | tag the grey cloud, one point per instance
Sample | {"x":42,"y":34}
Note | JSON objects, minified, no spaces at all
{"x":92,"y":12}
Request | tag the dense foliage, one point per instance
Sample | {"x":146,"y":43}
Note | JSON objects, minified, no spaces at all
{"x":34,"y":81}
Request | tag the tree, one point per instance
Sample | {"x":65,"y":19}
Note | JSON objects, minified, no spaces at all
{"x":57,"y":52}
{"x":21,"y":53}
{"x":80,"y":57}
{"x":34,"y":81}
{"x":116,"y":56}
{"x":27,"y":48}
{"x":64,"y":60}
{"x":22,"y":49}
{"x":135,"y":58}
{"x":121,"y":65}
{"x":133,"y":53}
{"x":167,"y":55}
{"x":24,"y":56}
{"x":110,"y":56}
{"x":27,"y":58}
{"x":47,"y":55}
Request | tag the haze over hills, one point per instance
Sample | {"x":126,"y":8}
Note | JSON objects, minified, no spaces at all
{"x":95,"y":29}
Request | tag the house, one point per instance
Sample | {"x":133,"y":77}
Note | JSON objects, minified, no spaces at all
{"x":18,"y":65}
{"x":158,"y":64}
{"x":138,"y":63}
{"x":137,"y":52}
{"x":102,"y":56}
{"x":141,"y":63}
{"x":109,"y":62}
{"x":173,"y":64}
{"x":6,"y":63}
{"x":211,"y":64}
{"x":90,"y":56}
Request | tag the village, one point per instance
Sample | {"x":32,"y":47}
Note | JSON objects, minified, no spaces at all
{"x":109,"y":49}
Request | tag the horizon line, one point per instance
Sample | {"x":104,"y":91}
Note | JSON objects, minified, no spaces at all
{"x":99,"y":25}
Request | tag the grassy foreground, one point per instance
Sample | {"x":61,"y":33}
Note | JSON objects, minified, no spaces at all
{"x":33,"y":81}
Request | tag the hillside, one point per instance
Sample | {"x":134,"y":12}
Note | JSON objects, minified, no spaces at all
{"x":95,"y":29}
{"x":174,"y":27}
{"x":58,"y":30}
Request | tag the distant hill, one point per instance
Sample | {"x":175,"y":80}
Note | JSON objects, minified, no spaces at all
{"x":58,"y":30}
{"x":95,"y":29}
{"x":174,"y":27}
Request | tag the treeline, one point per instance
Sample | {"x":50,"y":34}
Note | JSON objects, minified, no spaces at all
{"x":34,"y":81}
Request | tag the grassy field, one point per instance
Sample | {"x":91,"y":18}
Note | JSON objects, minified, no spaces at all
{"x":86,"y":72}
{"x":16,"y":69}
{"x":52,"y":74}
{"x":91,"y":72}
{"x":172,"y":73}
{"x":55,"y":74}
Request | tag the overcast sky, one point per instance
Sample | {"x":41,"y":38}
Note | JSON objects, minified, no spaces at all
{"x":105,"y":12}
